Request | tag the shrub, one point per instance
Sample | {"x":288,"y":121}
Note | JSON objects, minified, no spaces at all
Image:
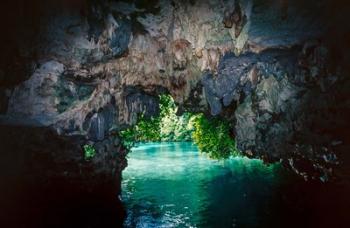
{"x":166,"y":127}
{"x":128,"y":138}
{"x":212,"y":136}
{"x":89,"y":152}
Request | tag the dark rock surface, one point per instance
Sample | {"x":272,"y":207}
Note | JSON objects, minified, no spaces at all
{"x":292,"y":117}
{"x":238,"y":76}
{"x":139,"y":102}
{"x":120,"y":38}
{"x":47,"y":183}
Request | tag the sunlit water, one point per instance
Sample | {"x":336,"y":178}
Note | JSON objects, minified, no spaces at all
{"x":173,"y":185}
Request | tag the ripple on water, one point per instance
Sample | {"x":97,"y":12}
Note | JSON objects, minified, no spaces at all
{"x":173,"y":185}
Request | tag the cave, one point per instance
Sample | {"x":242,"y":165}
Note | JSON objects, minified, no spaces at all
{"x":266,"y":82}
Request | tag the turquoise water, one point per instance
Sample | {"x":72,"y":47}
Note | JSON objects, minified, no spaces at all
{"x":173,"y":185}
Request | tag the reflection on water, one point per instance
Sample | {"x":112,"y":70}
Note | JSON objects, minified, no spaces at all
{"x":173,"y":185}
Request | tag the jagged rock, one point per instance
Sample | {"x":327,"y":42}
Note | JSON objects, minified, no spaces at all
{"x":89,"y":70}
{"x":186,"y":50}
{"x":238,"y":76}
{"x":120,"y":35}
{"x":83,"y":70}
{"x":281,"y":119}
{"x":140,"y":103}
{"x":36,"y":97}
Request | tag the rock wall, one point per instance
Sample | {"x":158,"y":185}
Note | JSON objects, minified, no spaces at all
{"x":47,"y":182}
{"x":277,"y":70}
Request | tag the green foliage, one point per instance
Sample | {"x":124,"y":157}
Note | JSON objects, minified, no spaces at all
{"x":128,"y":138}
{"x":173,"y":127}
{"x":212,"y":136}
{"x":167,"y":105}
{"x":145,"y":130}
{"x":166,"y":127}
{"x":89,"y":152}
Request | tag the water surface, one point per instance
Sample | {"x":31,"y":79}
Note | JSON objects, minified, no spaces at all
{"x":173,"y":185}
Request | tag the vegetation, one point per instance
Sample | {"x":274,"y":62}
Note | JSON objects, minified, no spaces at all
{"x":145,"y":130}
{"x":211,"y":135}
{"x":89,"y":152}
{"x":166,"y":127}
{"x":173,"y":128}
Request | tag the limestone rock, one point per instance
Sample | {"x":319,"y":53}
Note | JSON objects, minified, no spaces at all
{"x":36,"y":96}
{"x":95,"y":67}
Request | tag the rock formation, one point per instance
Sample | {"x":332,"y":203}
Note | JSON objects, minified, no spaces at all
{"x":83,"y":70}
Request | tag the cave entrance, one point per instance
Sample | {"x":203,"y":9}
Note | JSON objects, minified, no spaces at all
{"x":184,"y":171}
{"x":210,"y":134}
